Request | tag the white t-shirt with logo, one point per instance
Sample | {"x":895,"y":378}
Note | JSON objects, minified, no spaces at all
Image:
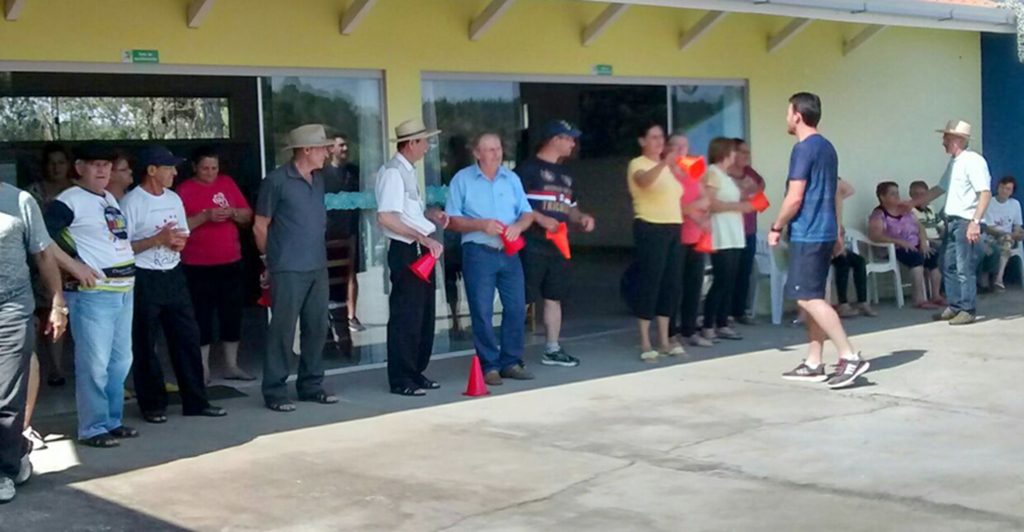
{"x":1003,"y":216}
{"x":147,"y":215}
{"x":966,"y":177}
{"x":93,"y":228}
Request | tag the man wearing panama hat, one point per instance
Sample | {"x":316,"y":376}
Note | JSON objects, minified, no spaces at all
{"x":402,"y":214}
{"x":967,"y":184}
{"x":290,"y":228}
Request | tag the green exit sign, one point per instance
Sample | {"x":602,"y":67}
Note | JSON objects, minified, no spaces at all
{"x":601,"y":70}
{"x":140,"y":56}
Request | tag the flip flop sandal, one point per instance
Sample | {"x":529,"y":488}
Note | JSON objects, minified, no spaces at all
{"x":428,"y":384}
{"x":283,"y":406}
{"x":323,"y":398}
{"x":100,"y":441}
{"x":409,"y":392}
{"x":650,"y":356}
{"x":676,"y":351}
{"x":124,"y":432}
{"x":154,"y":417}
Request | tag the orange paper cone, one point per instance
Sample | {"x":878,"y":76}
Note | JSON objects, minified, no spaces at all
{"x":512,"y":246}
{"x":424,"y":266}
{"x":704,"y":244}
{"x":476,"y":386}
{"x":560,"y":239}
{"x":693,"y":166}
{"x":760,"y":202}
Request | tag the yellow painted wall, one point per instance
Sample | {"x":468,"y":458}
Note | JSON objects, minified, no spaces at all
{"x":881,"y":103}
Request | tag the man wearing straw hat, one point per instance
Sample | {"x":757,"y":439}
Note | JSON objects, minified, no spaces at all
{"x":290,"y":228}
{"x":402,"y":214}
{"x":967,"y":184}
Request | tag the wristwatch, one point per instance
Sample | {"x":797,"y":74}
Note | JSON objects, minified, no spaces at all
{"x":775,"y":230}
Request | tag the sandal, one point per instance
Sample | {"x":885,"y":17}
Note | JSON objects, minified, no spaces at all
{"x":154,"y":417}
{"x":650,"y":356}
{"x":428,"y":384}
{"x":408,"y":391}
{"x":100,"y":441}
{"x":675,"y":351}
{"x":282,"y":406}
{"x":124,"y":432}
{"x":323,"y":398}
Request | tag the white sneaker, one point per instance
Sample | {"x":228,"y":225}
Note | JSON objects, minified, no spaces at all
{"x":709,"y":334}
{"x":698,"y":341}
{"x":7,"y":490}
{"x":25,"y":472}
{"x":35,"y":439}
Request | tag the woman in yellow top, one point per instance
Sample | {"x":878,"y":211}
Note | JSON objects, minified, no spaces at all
{"x":658,"y":220}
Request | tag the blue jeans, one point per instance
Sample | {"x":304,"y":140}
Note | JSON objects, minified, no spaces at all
{"x":101,"y":323}
{"x":960,"y":267}
{"x":484,"y":270}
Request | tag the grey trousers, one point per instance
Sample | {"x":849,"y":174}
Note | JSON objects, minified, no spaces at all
{"x":295,"y":296}
{"x":16,"y":338}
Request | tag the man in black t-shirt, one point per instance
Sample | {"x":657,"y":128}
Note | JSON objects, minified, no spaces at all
{"x":549,"y":187}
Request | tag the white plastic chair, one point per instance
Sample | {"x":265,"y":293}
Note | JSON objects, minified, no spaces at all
{"x":1019,"y":253}
{"x":767,"y":266}
{"x":875,"y":265}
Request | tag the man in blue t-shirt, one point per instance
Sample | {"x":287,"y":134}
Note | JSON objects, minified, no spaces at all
{"x":809,"y":210}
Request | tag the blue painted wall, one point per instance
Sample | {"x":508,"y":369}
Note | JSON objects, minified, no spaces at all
{"x":1002,"y":107}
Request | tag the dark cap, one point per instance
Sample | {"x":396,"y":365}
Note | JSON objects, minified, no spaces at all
{"x":94,"y":151}
{"x":559,"y":127}
{"x":157,"y":156}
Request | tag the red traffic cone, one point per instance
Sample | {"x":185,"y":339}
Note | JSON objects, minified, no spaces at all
{"x":704,"y":245}
{"x":476,"y":385}
{"x":424,"y":266}
{"x":560,"y":239}
{"x":760,"y":202}
{"x":264,"y":300}
{"x":693,"y":166}
{"x":512,"y":246}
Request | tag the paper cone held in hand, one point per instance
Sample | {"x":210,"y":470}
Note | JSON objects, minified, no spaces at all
{"x":759,"y":202}
{"x":693,"y":166}
{"x":476,"y":386}
{"x":424,"y":266}
{"x":512,"y":246}
{"x":704,"y":244}
{"x":560,"y":239}
{"x":264,"y":300}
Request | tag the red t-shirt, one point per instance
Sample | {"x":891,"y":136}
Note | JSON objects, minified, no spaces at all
{"x":213,"y":243}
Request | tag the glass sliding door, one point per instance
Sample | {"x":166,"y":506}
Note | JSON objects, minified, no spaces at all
{"x":704,"y":112}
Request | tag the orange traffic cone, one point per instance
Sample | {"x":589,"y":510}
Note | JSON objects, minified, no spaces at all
{"x":476,"y":385}
{"x":264,"y":300}
{"x":704,"y":245}
{"x":424,"y":266}
{"x":760,"y":202}
{"x":560,"y":239}
{"x":693,"y":166}
{"x":512,"y":246}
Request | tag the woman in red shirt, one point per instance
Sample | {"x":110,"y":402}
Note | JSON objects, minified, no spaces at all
{"x":213,"y":256}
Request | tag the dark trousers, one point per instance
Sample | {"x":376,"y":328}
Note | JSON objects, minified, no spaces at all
{"x":16,"y":338}
{"x":724,"y":265}
{"x":843,"y":263}
{"x":162,"y":300}
{"x":485,"y":270}
{"x":694,"y":263}
{"x":217,"y":291}
{"x":741,"y":294}
{"x":659,"y":256}
{"x":301,"y":296}
{"x":411,"y":323}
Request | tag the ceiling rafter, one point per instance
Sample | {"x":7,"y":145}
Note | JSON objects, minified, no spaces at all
{"x":702,"y":27}
{"x":12,"y":9}
{"x":354,"y":15}
{"x":795,"y":26}
{"x":603,"y":21}
{"x":861,"y":38}
{"x":487,"y":18}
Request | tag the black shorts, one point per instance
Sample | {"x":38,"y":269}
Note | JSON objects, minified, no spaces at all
{"x":808,"y":269}
{"x":913,"y":259}
{"x":547,"y":275}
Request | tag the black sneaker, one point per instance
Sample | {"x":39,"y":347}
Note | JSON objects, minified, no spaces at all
{"x":559,"y":358}
{"x":806,"y":374}
{"x":847,"y":372}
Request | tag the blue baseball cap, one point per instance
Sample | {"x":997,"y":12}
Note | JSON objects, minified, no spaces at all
{"x":157,"y":156}
{"x":559,"y":127}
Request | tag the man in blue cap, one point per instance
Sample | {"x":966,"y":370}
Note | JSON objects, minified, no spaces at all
{"x":158,"y":229}
{"x":549,"y":187}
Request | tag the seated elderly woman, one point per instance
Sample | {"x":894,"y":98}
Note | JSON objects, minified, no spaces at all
{"x":889,"y":224}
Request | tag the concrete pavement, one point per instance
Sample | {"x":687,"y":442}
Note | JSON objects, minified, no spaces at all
{"x":716,"y":441}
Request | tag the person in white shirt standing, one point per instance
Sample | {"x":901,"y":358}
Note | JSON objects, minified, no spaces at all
{"x":1004,"y":225}
{"x":967,"y":184}
{"x":158,"y":230}
{"x":402,"y":214}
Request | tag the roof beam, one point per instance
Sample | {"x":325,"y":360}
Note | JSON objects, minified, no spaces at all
{"x":487,"y":18}
{"x":603,"y":21}
{"x":864,"y":36}
{"x":12,"y":9}
{"x":780,"y":39}
{"x":704,"y":25}
{"x":197,"y":11}
{"x":354,"y":15}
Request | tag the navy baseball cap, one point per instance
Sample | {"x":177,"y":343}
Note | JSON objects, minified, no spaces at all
{"x":157,"y":156}
{"x":559,"y":127}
